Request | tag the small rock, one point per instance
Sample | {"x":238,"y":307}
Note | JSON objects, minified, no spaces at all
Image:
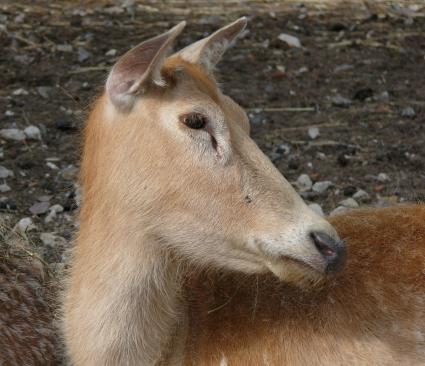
{"x":383,"y":178}
{"x":316,"y":208}
{"x":408,"y":112}
{"x":70,"y":172}
{"x":9,"y":113}
{"x":20,"y":91}
{"x":4,"y":188}
{"x":383,"y":97}
{"x":340,"y":101}
{"x":45,"y":91}
{"x":291,"y":41}
{"x":313,"y":133}
{"x":39,"y":208}
{"x":322,"y":187}
{"x":339,"y":210}
{"x":5,"y":173}
{"x":361,"y":195}
{"x":65,"y":125}
{"x":283,"y":149}
{"x":343,"y":67}
{"x":83,"y":54}
{"x":112,"y":52}
{"x":64,"y":47}
{"x":32,"y":132}
{"x":304,"y":182}
{"x":51,"y":239}
{"x":349,"y":203}
{"x":24,"y":225}
{"x":12,"y":134}
{"x":53,"y":211}
{"x":52,"y":166}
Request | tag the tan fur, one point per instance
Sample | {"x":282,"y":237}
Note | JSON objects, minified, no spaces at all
{"x":174,"y":233}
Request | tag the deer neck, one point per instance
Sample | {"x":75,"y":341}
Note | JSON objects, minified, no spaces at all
{"x":141,"y":289}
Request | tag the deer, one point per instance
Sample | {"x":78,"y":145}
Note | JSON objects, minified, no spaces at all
{"x":193,"y":249}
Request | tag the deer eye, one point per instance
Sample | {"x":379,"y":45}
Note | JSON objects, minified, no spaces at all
{"x":195,"y":121}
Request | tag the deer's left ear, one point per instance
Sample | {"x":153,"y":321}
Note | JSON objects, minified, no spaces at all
{"x":207,"y":52}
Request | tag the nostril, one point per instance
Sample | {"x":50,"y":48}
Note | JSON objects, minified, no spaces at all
{"x":324,"y":244}
{"x":332,"y":250}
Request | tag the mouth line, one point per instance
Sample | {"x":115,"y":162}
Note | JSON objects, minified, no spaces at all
{"x":286,"y":258}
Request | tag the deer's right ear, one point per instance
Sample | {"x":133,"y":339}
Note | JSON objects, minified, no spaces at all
{"x":139,"y":67}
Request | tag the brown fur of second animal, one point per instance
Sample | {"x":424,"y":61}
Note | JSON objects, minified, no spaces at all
{"x":28,"y":336}
{"x":372,"y":313}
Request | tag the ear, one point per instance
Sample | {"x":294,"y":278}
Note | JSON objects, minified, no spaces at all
{"x":208,"y":51}
{"x":140,"y":67}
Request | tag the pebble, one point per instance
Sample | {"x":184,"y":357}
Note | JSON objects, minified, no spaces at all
{"x":408,"y":112}
{"x":64,"y":47}
{"x":20,"y":91}
{"x":313,"y":133}
{"x":5,"y":173}
{"x":12,"y":134}
{"x":339,"y":210}
{"x":24,"y":225}
{"x":349,"y":203}
{"x":70,"y":172}
{"x":112,"y":52}
{"x":322,"y":187}
{"x":291,"y":41}
{"x":361,"y":195}
{"x":304,"y":182}
{"x":53,"y":211}
{"x":32,"y":132}
{"x":340,"y":101}
{"x":83,"y":54}
{"x":4,"y":188}
{"x":383,"y":178}
{"x":343,"y":67}
{"x":45,"y":91}
{"x":315,"y":207}
{"x":39,"y":208}
{"x":51,"y":239}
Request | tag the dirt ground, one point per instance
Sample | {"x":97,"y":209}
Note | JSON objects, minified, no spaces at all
{"x":358,"y":80}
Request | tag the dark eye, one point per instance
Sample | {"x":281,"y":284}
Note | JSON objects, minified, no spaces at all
{"x":195,"y":121}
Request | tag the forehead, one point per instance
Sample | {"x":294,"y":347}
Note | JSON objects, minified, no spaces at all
{"x":176,"y":69}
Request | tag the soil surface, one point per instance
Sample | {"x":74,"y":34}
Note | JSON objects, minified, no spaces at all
{"x":357,"y":82}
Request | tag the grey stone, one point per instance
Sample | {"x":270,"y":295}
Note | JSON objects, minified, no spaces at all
{"x":408,"y":112}
{"x":13,"y":134}
{"x":304,"y":182}
{"x":4,"y":188}
{"x":339,"y":210}
{"x":313,"y":133}
{"x":340,"y":101}
{"x":24,"y":225}
{"x":32,"y":132}
{"x":39,"y":208}
{"x":322,"y":187}
{"x":291,"y":41}
{"x":361,"y":195}
{"x":349,"y":203}
{"x":5,"y":173}
{"x":383,"y":178}
{"x":51,"y":239}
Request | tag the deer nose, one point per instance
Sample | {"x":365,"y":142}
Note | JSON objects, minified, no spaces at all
{"x":332,"y":250}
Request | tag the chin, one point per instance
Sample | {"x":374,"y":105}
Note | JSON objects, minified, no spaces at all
{"x":296,"y":273}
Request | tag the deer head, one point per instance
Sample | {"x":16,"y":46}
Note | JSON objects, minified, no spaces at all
{"x":169,"y":153}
